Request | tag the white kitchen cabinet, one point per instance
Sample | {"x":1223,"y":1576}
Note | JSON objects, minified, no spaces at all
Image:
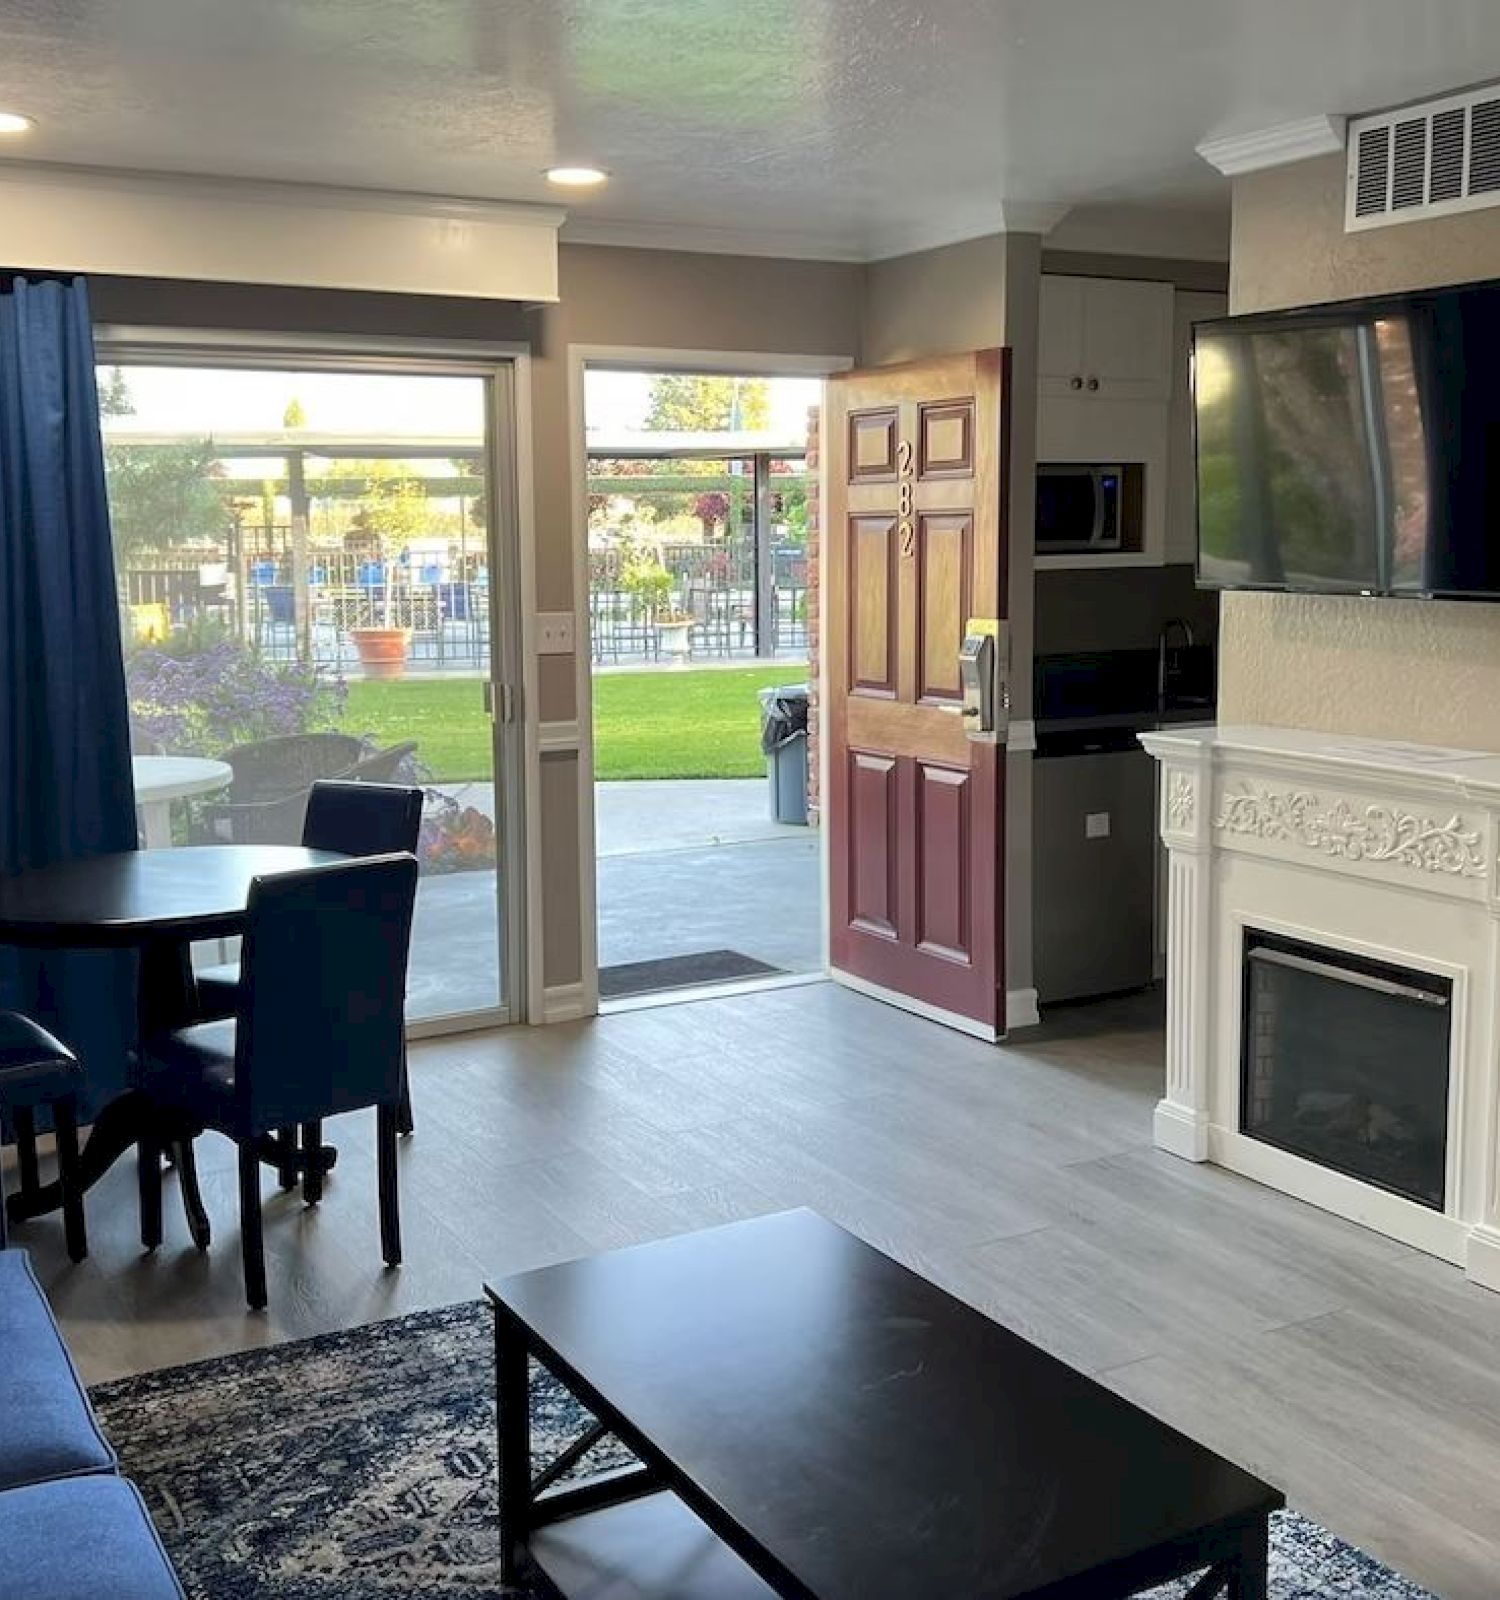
{"x":1104,"y":339}
{"x":1059,"y":342}
{"x":1182,"y":529}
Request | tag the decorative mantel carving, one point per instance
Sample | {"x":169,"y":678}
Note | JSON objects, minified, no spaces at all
{"x":1182,"y":800}
{"x":1373,"y":833}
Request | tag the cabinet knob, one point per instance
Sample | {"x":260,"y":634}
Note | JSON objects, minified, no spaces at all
{"x":1093,"y":384}
{"x":1075,"y":383}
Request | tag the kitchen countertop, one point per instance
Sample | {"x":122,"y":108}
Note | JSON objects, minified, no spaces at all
{"x":1141,"y":721}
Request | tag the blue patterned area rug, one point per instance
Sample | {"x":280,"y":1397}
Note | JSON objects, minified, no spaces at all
{"x":362,"y":1465}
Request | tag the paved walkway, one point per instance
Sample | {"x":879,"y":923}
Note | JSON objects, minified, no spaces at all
{"x":664,"y":813}
{"x":685,"y":866}
{"x":684,"y":814}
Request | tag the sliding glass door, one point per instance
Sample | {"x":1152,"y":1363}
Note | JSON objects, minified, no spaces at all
{"x":314,"y":578}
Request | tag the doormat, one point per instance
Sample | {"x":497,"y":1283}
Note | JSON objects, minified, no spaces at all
{"x":361,"y":1465}
{"x":680,"y":972}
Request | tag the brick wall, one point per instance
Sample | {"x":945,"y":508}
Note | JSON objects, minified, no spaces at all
{"x":814,"y":605}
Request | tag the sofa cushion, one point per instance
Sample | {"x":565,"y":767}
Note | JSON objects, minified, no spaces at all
{"x":82,"y":1539}
{"x":47,"y":1427}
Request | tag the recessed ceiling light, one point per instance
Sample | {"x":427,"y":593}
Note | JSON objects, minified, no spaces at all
{"x":14,"y":122}
{"x":577,"y":177}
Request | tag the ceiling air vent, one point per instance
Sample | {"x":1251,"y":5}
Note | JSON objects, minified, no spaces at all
{"x":1372,"y":177}
{"x":1409,"y":167}
{"x":1425,"y":161}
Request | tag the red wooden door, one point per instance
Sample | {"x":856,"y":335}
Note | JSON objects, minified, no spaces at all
{"x":914,"y":530}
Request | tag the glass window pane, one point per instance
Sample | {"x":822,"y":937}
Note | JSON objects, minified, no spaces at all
{"x":304,"y":564}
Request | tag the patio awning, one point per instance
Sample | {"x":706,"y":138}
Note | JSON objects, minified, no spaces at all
{"x":278,"y":443}
{"x":637,"y":444}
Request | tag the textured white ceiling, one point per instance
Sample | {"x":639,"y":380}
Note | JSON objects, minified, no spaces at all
{"x":835,"y":126}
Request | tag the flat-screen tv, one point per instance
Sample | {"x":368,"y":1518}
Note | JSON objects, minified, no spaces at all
{"x":1352,"y":448}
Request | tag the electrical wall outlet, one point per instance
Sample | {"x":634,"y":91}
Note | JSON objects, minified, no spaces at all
{"x":554,"y":633}
{"x":1096,"y":825}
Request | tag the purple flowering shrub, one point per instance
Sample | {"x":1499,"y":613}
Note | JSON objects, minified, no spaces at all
{"x":200,"y":697}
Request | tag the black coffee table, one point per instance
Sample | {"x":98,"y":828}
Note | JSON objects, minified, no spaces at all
{"x":813,"y":1420}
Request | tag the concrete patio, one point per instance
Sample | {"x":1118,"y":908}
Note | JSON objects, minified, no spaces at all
{"x":684,"y":866}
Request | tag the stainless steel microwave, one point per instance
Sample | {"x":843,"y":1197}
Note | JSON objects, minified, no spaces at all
{"x":1077,"y":507}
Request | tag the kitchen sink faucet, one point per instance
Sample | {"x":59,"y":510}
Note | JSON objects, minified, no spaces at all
{"x":1173,"y":625}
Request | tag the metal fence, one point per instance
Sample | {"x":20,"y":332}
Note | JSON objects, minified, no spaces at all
{"x":448,"y":616}
{"x":447,"y":605}
{"x":738,"y":591}
{"x":716,"y":589}
{"x":444,"y":604}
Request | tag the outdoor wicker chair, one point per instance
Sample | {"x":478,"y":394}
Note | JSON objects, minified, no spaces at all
{"x":382,"y":766}
{"x":272,"y":777}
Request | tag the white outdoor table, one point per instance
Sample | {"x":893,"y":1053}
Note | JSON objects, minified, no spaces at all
{"x":159,"y":780}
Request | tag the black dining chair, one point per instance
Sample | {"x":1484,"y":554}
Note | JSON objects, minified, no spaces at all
{"x":354,"y":819}
{"x":317,"y":1031}
{"x":37,"y":1070}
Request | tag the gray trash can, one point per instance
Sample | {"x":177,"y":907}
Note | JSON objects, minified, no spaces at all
{"x":783,"y":737}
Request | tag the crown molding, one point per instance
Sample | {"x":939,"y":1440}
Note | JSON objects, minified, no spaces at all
{"x":270,"y":191}
{"x":1010,"y":216}
{"x":1277,"y":146}
{"x":159,"y":225}
{"x":1003,"y":216}
{"x":785,"y":245}
{"x":1031,"y":216}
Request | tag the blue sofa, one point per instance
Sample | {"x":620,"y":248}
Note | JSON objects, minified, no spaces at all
{"x":71,"y":1528}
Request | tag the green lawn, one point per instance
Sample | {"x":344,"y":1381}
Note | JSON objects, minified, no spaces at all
{"x":669,"y":724}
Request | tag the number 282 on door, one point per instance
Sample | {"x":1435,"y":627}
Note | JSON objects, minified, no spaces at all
{"x":905,"y":496}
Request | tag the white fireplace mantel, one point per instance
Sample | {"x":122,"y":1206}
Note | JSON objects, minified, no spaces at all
{"x":1387,"y":851}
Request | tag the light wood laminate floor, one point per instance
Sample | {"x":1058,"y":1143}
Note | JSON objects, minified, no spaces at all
{"x":1360,"y":1376}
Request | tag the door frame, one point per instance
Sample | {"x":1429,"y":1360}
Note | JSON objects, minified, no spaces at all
{"x":505,"y":368}
{"x":652,"y":358}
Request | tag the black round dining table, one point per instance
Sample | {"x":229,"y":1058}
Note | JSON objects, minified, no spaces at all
{"x":157,"y":902}
{"x":141,"y":897}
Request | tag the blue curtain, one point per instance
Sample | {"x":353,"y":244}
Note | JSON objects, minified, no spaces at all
{"x":65,"y":786}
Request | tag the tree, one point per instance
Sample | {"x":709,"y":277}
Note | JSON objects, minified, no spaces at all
{"x":159,"y":495}
{"x":395,"y":513}
{"x":696,"y":402}
{"x":164,"y":495}
{"x":295,"y":416}
{"x":114,"y":396}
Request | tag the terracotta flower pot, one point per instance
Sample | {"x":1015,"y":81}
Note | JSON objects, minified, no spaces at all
{"x":382,"y":651}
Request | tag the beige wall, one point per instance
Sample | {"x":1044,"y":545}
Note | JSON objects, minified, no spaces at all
{"x":935,"y":302}
{"x":1420,"y":670}
{"x":1288,"y":245}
